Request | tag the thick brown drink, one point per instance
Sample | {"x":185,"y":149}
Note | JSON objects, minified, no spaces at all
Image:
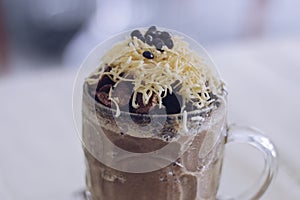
{"x":121,"y":128}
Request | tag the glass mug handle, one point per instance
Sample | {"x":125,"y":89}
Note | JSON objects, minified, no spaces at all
{"x":253,"y":137}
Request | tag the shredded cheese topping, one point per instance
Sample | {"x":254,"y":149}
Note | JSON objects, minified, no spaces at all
{"x":178,"y":68}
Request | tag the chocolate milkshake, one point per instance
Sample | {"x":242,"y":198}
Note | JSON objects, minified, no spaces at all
{"x":153,"y":122}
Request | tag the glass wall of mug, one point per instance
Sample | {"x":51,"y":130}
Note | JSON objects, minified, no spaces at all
{"x":153,"y":156}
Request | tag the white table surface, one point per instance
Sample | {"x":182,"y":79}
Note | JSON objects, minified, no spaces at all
{"x":40,"y":153}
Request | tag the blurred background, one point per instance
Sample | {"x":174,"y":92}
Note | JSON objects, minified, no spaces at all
{"x":255,"y":43}
{"x":37,"y":34}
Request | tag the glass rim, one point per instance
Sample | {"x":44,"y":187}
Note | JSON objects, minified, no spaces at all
{"x":92,"y":101}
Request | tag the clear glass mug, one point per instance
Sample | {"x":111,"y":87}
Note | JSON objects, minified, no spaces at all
{"x":133,"y":156}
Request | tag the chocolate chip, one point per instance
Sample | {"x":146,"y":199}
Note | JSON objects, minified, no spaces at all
{"x":148,"y":39}
{"x":172,"y":102}
{"x":105,"y":80}
{"x":107,"y":69}
{"x":150,"y":33}
{"x":169,"y":43}
{"x":152,"y":28}
{"x":158,"y":43}
{"x":143,"y":109}
{"x":103,"y":98}
{"x":102,"y":95}
{"x":165,"y":35}
{"x":158,"y":34}
{"x":138,"y":35}
{"x":105,"y":88}
{"x":148,"y":54}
